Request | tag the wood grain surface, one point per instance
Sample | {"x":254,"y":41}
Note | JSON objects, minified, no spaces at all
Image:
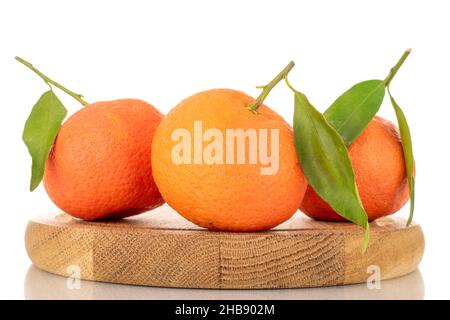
{"x":160,"y":248}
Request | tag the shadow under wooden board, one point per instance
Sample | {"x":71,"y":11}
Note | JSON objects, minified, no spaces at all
{"x":160,"y":248}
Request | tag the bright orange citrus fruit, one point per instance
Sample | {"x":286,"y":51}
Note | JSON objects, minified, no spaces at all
{"x":380,"y":174}
{"x":99,"y":166}
{"x":224,"y":196}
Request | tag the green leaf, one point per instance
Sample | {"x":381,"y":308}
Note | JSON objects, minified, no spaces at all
{"x":405,"y":134}
{"x":40,"y":132}
{"x":355,"y":108}
{"x":326,"y":163}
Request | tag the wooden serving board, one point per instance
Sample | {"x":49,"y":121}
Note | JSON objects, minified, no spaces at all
{"x":160,"y":248}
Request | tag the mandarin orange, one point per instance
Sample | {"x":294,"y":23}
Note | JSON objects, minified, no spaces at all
{"x":380,"y":174}
{"x":99,"y":166}
{"x":220,"y":193}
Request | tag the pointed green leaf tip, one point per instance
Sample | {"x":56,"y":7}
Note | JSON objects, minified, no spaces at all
{"x":355,"y":108}
{"x":326,"y":164}
{"x":40,"y":132}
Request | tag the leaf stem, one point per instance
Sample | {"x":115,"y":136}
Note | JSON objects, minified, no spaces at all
{"x":49,"y":81}
{"x":395,"y":68}
{"x":267,"y":88}
{"x":289,"y":85}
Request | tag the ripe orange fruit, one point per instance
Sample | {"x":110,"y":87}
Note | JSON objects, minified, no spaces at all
{"x":99,"y":166}
{"x":225,"y":196}
{"x":380,"y":174}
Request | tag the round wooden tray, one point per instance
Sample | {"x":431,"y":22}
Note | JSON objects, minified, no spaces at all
{"x":160,"y":248}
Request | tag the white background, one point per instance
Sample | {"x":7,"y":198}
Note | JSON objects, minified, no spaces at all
{"x":163,"y":52}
